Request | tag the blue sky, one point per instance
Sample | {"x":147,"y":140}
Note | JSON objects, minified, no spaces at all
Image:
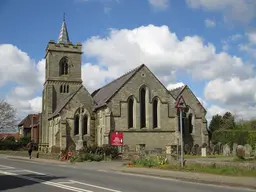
{"x":214,"y":46}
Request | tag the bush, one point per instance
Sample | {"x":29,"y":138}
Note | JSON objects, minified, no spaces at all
{"x":151,"y":161}
{"x":9,"y":144}
{"x":94,"y":153}
{"x":24,"y":141}
{"x":107,"y":151}
{"x":240,"y":137}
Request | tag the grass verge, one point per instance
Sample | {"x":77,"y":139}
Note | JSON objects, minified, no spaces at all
{"x":213,"y":169}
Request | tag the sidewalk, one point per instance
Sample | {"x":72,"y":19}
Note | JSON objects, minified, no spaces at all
{"x":42,"y":160}
{"x":247,"y":182}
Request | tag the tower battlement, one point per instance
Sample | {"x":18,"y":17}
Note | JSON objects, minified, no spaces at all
{"x":64,"y":47}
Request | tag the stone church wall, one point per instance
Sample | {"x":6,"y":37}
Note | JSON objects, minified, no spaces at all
{"x":150,"y":136}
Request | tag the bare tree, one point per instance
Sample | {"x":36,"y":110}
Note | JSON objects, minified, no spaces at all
{"x":7,"y":116}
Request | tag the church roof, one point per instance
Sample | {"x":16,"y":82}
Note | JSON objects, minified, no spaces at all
{"x":63,"y":36}
{"x":63,"y":103}
{"x":177,"y":91}
{"x":102,"y":95}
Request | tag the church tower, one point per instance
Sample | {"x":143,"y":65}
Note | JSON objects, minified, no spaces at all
{"x":62,"y":77}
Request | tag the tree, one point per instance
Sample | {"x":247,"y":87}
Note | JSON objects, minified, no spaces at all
{"x":7,"y":116}
{"x":228,"y":121}
{"x":215,"y":123}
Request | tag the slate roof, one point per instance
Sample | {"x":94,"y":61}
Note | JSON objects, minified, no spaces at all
{"x":63,"y":103}
{"x":177,"y":91}
{"x":101,"y":96}
{"x":27,"y":121}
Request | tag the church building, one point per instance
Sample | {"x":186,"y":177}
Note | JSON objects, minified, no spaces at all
{"x":136,"y":104}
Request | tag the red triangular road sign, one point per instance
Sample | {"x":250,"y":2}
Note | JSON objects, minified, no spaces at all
{"x":181,"y":104}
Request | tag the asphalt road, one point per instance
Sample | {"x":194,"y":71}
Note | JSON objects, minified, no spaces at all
{"x":30,"y":176}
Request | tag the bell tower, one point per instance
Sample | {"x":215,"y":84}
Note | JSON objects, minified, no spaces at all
{"x":62,"y":76}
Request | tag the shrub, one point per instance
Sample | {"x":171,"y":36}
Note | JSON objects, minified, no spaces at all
{"x":93,"y":153}
{"x":24,"y":141}
{"x":151,"y":161}
{"x":9,"y":144}
{"x":107,"y":151}
{"x":241,"y":137}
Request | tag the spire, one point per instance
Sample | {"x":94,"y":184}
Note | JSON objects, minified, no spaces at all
{"x":63,"y":37}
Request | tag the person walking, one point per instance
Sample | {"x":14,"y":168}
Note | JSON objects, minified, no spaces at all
{"x":30,"y":149}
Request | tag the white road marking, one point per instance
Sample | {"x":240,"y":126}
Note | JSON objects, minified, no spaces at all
{"x":34,"y":172}
{"x":6,"y":167}
{"x":46,"y":182}
{"x":95,"y":186}
{"x":66,"y":182}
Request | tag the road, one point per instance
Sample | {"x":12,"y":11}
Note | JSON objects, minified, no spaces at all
{"x":30,"y":176}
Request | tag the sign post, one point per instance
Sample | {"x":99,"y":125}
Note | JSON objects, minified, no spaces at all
{"x":181,"y":106}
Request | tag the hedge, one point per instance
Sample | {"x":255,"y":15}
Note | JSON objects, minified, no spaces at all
{"x":10,"y":144}
{"x":241,"y":137}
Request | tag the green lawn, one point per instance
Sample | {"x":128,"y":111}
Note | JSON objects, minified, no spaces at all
{"x":208,"y":156}
{"x":225,"y":170}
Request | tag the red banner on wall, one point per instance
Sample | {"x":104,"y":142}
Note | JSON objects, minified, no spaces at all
{"x":116,"y":138}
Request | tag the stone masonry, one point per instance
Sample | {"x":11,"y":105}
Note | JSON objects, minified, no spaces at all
{"x":137,"y":104}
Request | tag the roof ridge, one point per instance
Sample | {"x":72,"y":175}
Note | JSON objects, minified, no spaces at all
{"x":132,"y":70}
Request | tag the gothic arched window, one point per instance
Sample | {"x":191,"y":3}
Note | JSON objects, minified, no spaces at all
{"x":76,"y":125}
{"x":130,"y":112}
{"x":85,"y":127}
{"x":190,"y":124}
{"x":155,"y":113}
{"x":67,"y":89}
{"x":63,"y":66}
{"x":61,"y":89}
{"x":142,"y":108}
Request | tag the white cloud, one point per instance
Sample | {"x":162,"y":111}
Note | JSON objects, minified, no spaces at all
{"x":18,"y":68}
{"x":159,"y":4}
{"x":233,"y":90}
{"x":214,"y":110}
{"x":236,"y":10}
{"x":235,"y":37}
{"x":164,"y":53}
{"x":175,"y":85}
{"x":209,"y":23}
{"x":236,"y":94}
{"x":252,"y":37}
{"x":250,"y":45}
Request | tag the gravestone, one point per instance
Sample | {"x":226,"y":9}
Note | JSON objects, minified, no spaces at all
{"x":203,"y":152}
{"x":240,"y":151}
{"x":234,"y":149}
{"x":226,"y":150}
{"x":248,"y":150}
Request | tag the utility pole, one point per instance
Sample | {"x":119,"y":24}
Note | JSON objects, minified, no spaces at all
{"x":181,"y":106}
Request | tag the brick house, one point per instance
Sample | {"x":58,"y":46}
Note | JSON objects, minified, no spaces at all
{"x":29,"y":127}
